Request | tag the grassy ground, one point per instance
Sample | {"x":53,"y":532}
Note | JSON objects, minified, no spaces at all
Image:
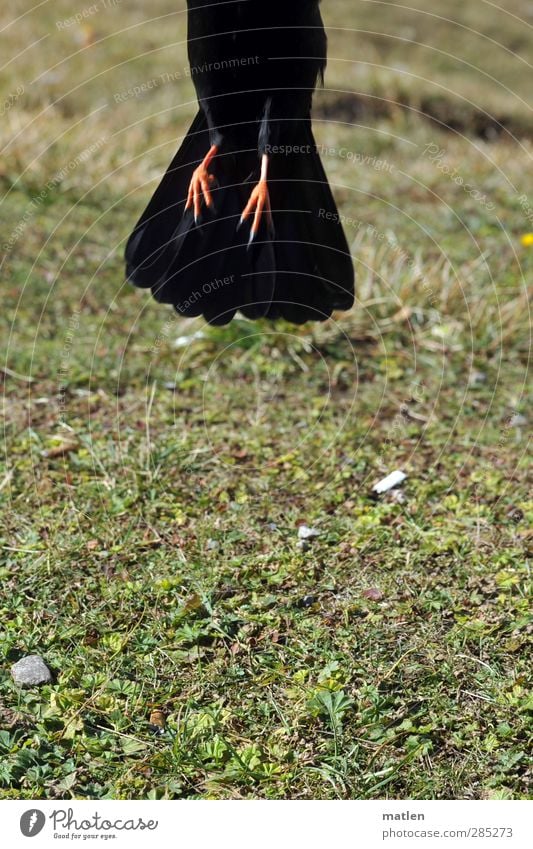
{"x":153,"y":485}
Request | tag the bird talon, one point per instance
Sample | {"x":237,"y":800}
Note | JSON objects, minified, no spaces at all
{"x":199,"y":188}
{"x":259,"y":206}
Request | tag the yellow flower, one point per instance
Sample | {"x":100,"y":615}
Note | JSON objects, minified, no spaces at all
{"x":527,"y":240}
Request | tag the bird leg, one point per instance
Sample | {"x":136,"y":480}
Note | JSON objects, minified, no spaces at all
{"x":259,"y":203}
{"x":200,"y":185}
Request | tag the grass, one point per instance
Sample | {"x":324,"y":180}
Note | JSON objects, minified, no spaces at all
{"x":152,"y":487}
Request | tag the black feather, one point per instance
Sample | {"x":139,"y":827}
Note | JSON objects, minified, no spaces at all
{"x":301,"y":271}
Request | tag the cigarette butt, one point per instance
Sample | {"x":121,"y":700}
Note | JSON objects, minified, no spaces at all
{"x":392,"y":480}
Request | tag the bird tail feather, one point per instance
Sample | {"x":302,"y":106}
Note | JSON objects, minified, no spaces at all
{"x":302,"y":271}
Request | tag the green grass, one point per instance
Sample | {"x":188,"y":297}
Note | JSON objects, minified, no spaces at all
{"x":151,"y":493}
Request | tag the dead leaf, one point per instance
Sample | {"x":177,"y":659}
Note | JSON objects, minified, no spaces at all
{"x":403,"y":314}
{"x":158,"y":718}
{"x":373,"y":593}
{"x":59,"y":450}
{"x":192,"y":603}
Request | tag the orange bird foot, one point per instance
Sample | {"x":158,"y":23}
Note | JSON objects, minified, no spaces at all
{"x":259,"y":205}
{"x":200,"y":186}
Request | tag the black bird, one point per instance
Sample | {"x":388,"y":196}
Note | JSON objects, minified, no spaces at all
{"x":244,"y":218}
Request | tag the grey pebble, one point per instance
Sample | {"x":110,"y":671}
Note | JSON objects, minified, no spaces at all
{"x":31,"y":671}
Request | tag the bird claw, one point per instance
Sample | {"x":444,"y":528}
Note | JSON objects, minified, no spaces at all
{"x":200,"y":192}
{"x":259,"y":205}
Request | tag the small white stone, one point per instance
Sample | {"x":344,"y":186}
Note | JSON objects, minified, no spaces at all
{"x":476,"y":377}
{"x":398,"y":496}
{"x":305,"y":532}
{"x":183,"y":341}
{"x":392,"y":480}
